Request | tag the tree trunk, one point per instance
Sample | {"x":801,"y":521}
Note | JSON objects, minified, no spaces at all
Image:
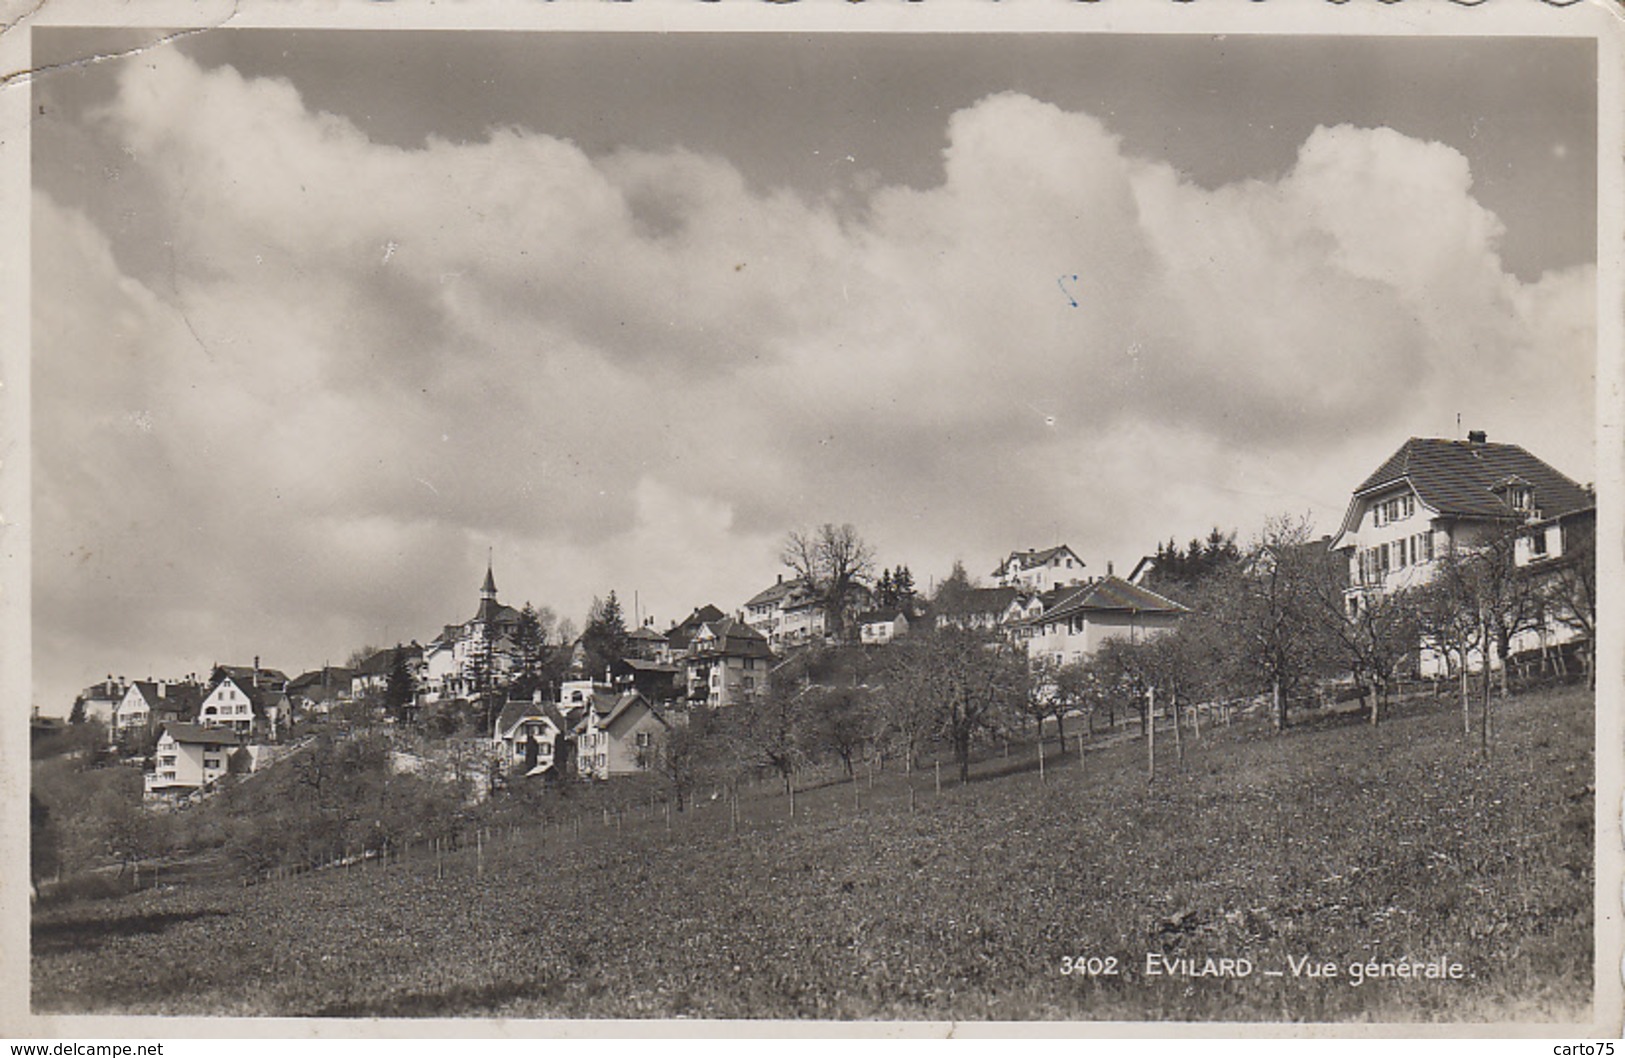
{"x":1503,"y":643}
{"x":1279,"y":703}
{"x":1466,"y":716}
{"x":1150,"y":736}
{"x":1179,"y":743}
{"x":1060,"y":732}
{"x":962,"y":751}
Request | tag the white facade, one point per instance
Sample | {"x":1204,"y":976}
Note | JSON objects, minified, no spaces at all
{"x":187,"y":761}
{"x":228,"y":705}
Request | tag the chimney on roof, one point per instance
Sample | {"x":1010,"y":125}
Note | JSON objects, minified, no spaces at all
{"x":256,"y":670}
{"x":1477,"y":437}
{"x":1108,"y":567}
{"x":781,"y":578}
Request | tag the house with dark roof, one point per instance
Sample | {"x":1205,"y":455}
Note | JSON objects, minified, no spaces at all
{"x":621,"y":740}
{"x":680,"y":635}
{"x":788,"y":613}
{"x":659,"y":681}
{"x":236,"y":706}
{"x":192,"y":757}
{"x":727,"y":664}
{"x":150,"y":703}
{"x":527,"y":734}
{"x":877,"y":627}
{"x":319,"y":690}
{"x":984,"y":609}
{"x":1037,"y":571}
{"x":1435,"y":496}
{"x":1109,"y":608}
{"x":645,"y":643}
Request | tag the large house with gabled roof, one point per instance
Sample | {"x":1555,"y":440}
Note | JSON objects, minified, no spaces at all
{"x":1037,"y":571}
{"x":727,"y":664}
{"x":1075,"y":626}
{"x":1434,"y":496}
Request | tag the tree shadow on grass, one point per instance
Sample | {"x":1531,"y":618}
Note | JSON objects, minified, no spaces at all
{"x":88,"y":934}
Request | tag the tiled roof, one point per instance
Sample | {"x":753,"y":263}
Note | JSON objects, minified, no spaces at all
{"x":877,"y":616}
{"x":777,"y":591}
{"x":644,"y":632}
{"x":977,"y":600}
{"x":243,"y":675}
{"x":1460,"y":477}
{"x":197,"y":733}
{"x":1030,"y":559}
{"x":734,"y":639}
{"x":1116,"y":595}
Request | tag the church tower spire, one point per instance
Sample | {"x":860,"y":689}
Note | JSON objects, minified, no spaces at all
{"x":488,"y":590}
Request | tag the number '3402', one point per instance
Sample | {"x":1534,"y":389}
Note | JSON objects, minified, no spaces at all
{"x":1089,"y":966}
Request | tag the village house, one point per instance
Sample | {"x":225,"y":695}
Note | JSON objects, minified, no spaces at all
{"x":150,"y":703}
{"x":680,"y":635}
{"x":976,"y":609}
{"x":234,"y":707}
{"x":619,"y":740}
{"x":727,"y":664}
{"x":319,"y":690}
{"x":99,"y":700}
{"x":658,"y":681}
{"x":485,"y":647}
{"x":787,"y":614}
{"x":1109,"y":608}
{"x":526,"y":735}
{"x":1435,"y":496}
{"x":1033,"y":571}
{"x":644,"y":643}
{"x":881,"y":626}
{"x":190,"y":757}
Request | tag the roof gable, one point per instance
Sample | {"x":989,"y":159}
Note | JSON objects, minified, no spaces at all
{"x":1113,"y":594}
{"x":1461,"y":478}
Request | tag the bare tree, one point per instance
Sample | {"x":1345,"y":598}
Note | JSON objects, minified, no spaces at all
{"x":836,"y":564}
{"x":1569,"y":592}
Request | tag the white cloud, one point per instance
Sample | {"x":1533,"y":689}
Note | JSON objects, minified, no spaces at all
{"x":632,"y":371}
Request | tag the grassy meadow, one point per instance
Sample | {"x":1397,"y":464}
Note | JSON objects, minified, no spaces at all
{"x":1337,"y":841}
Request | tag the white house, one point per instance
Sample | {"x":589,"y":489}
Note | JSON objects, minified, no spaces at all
{"x":1038,"y":571}
{"x":190,"y":757}
{"x":1110,"y":608}
{"x":1434,"y":496}
{"x":882,"y":626}
{"x":787,"y":613}
{"x":727,"y":663}
{"x":526,"y":734}
{"x":230,"y":706}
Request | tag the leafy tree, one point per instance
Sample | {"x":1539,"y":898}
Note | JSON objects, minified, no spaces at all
{"x":836,"y":564}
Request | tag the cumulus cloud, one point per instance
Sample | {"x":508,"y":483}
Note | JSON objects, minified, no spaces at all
{"x":357,"y":365}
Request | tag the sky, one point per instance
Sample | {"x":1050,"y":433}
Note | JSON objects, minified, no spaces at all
{"x":322,"y":319}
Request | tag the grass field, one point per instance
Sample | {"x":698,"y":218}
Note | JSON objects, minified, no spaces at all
{"x":1338,"y":842}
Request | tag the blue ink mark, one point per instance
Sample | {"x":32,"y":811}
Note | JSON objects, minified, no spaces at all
{"x":1060,"y":281}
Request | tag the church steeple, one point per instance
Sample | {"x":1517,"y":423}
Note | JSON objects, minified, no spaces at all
{"x":488,"y":590}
